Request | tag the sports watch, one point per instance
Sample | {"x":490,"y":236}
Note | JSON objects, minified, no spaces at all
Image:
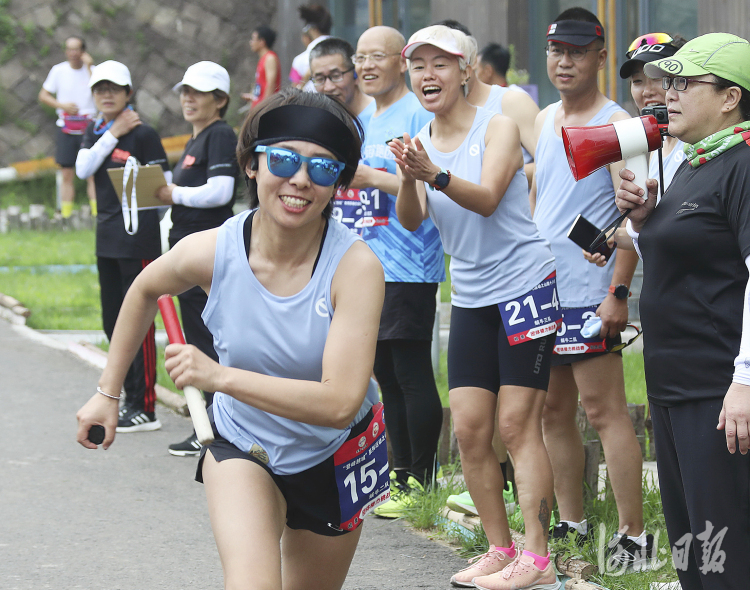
{"x":441,"y":180}
{"x":620,"y":291}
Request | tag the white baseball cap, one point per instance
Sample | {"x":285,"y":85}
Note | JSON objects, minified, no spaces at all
{"x":205,"y":76}
{"x":113,"y":71}
{"x":449,"y":40}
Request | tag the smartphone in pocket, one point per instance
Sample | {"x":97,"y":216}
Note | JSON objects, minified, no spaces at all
{"x":583,"y":233}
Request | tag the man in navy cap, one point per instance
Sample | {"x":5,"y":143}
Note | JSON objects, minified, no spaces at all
{"x":575,"y":54}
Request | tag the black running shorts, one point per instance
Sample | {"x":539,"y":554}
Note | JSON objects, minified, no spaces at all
{"x":312,"y":496}
{"x":479,"y":354}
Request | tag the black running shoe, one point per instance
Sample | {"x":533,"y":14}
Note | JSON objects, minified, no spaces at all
{"x":623,"y":553}
{"x":134,"y":420}
{"x":190,"y":447}
{"x":562,"y":530}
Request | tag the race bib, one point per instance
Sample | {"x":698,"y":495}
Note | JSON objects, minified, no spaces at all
{"x":533,"y":314}
{"x":361,"y":467}
{"x":569,"y":337}
{"x":75,"y":124}
{"x":359,"y":209}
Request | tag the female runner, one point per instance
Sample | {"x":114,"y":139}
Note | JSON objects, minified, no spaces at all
{"x":294,"y":302}
{"x":202,"y":193}
{"x":465,"y":171}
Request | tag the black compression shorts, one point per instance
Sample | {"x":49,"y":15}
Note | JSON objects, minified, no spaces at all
{"x":312,"y":496}
{"x":479,"y":354}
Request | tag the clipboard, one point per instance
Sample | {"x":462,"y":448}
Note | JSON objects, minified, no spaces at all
{"x":150,"y":178}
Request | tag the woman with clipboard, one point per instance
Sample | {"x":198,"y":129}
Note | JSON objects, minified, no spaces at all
{"x":202,"y":194}
{"x":117,"y":134}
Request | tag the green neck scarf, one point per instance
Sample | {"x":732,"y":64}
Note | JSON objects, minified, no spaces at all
{"x":716,"y":144}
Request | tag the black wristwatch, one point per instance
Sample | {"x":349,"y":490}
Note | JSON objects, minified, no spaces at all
{"x":620,"y":291}
{"x":441,"y":180}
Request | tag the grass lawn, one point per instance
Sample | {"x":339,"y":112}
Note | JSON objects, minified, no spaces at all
{"x":59,"y":300}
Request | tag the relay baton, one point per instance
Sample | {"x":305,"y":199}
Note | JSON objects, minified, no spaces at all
{"x":193,"y":396}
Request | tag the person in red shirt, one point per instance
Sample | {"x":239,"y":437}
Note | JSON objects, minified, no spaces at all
{"x":268,"y":72}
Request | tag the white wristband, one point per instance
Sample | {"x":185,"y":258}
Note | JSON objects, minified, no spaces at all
{"x":631,"y":232}
{"x":634,"y":235}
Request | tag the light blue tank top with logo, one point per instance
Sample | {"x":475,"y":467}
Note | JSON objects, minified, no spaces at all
{"x":258,"y":331}
{"x":559,"y":199}
{"x":407,"y":257}
{"x":495,"y":258}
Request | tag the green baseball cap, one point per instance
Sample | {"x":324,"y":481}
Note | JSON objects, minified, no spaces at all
{"x":720,"y":54}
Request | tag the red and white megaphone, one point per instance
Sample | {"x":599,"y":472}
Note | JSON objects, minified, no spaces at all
{"x":591,"y":148}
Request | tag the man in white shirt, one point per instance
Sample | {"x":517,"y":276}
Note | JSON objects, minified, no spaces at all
{"x":66,"y":89}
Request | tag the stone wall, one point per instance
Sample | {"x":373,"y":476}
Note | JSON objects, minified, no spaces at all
{"x":156,"y":39}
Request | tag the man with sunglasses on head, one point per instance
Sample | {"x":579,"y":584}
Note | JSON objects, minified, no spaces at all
{"x":413,"y":263}
{"x":575,"y":54}
{"x":332,"y":73}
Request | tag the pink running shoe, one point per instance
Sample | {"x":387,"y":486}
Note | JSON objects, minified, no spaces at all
{"x":521,"y":574}
{"x":482,"y":565}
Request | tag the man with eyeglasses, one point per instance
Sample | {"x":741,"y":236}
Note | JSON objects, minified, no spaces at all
{"x":413,"y":262}
{"x":575,"y":54}
{"x":332,"y":73}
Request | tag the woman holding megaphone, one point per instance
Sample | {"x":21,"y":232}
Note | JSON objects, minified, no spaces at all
{"x":465,"y":170}
{"x":696,"y":253}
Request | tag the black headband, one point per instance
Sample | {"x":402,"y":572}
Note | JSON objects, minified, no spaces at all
{"x":303,"y":123}
{"x":574,"y":32}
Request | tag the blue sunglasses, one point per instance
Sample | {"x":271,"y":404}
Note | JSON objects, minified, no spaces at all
{"x":284,"y":163}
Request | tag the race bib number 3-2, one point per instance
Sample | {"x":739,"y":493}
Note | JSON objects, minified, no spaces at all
{"x":569,"y":337}
{"x":361,"y":466}
{"x":533,"y":314}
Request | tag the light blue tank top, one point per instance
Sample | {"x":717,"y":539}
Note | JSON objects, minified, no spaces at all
{"x":559,"y":199}
{"x":407,"y":257}
{"x":495,"y":258}
{"x":495,"y":104}
{"x":257,"y":331}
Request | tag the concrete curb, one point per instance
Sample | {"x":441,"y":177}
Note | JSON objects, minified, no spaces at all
{"x":90,"y":354}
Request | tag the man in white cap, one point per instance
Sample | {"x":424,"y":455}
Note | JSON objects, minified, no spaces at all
{"x":66,"y":89}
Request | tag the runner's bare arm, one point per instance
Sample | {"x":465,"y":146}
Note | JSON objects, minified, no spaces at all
{"x":367,"y":177}
{"x":538,"y":125}
{"x":411,"y":200}
{"x":520,"y":107}
{"x":188,"y":264}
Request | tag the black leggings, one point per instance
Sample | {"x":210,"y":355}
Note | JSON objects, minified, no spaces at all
{"x":702,"y":483}
{"x":413,"y":412}
{"x":115,"y":277}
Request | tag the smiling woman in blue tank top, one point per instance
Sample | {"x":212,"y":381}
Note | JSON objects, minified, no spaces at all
{"x":294,"y":302}
{"x":465,"y":171}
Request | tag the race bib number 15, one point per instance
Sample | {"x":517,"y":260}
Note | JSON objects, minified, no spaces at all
{"x":361,"y":466}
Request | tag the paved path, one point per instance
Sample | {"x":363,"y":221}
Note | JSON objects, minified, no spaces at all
{"x":131,"y":517}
